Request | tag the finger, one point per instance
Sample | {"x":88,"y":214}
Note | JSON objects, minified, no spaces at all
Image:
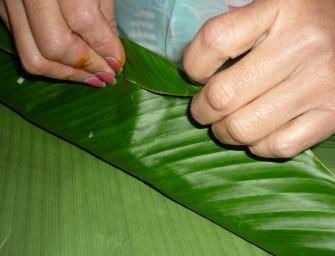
{"x":107,"y":8}
{"x":252,"y":76}
{"x":227,"y":36}
{"x":266,"y":114}
{"x":62,"y":45}
{"x":299,"y":135}
{"x":86,"y":19}
{"x":30,"y":56}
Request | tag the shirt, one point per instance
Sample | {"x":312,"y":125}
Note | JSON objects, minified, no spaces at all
{"x":167,"y":26}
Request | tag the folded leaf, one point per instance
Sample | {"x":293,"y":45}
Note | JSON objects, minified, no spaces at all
{"x":287,"y":208}
{"x":151,"y":78}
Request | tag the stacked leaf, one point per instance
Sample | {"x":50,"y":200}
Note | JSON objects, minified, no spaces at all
{"x":287,"y":207}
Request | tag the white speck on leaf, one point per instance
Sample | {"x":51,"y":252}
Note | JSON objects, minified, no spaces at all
{"x":90,"y":135}
{"x":20,"y":80}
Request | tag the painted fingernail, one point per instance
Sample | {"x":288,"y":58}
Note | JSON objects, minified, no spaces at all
{"x":107,"y":77}
{"x":95,"y":82}
{"x":115,"y":64}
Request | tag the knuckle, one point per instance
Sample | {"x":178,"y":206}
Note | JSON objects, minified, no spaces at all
{"x":239,"y":130}
{"x":54,"y":48}
{"x":219,"y":95}
{"x":81,"y":20}
{"x":315,"y":37}
{"x":102,"y":43}
{"x":212,"y":35}
{"x":324,"y":73}
{"x":34,"y":65}
{"x":217,"y":34}
{"x":283,"y":150}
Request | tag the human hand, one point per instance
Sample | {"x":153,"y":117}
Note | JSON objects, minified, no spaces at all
{"x":279,"y":99}
{"x":66,"y":39}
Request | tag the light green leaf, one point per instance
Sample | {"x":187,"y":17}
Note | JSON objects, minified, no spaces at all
{"x":56,"y":199}
{"x":287,"y":208}
{"x":326,"y":152}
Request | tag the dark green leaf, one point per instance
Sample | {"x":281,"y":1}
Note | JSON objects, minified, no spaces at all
{"x":171,"y":83}
{"x":287,"y":208}
{"x":5,"y":39}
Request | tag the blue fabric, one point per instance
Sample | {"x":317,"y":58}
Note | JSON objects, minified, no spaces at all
{"x":167,"y":26}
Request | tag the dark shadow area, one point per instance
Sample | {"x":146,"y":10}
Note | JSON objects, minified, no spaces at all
{"x":185,"y":77}
{"x":6,"y":37}
{"x":262,"y":159}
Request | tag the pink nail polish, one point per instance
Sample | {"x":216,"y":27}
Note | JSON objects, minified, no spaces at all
{"x":107,"y":77}
{"x":115,"y":64}
{"x":95,"y":82}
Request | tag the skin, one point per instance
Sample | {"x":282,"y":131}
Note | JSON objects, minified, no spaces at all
{"x":278,"y":99}
{"x":68,"y":40}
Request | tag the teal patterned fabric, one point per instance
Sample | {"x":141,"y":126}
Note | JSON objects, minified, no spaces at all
{"x":167,"y":26}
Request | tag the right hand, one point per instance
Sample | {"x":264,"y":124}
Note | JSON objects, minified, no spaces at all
{"x":66,"y":39}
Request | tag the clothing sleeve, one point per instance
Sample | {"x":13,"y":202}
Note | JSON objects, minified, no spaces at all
{"x":167,"y":26}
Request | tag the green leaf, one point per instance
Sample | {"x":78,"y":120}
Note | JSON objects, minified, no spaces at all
{"x":325,"y":151}
{"x":287,"y":208}
{"x":150,"y":78}
{"x":58,"y":200}
{"x":108,"y":193}
{"x":190,"y":235}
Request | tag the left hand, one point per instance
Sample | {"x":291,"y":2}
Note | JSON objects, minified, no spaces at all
{"x":72,"y":40}
{"x":279,"y":99}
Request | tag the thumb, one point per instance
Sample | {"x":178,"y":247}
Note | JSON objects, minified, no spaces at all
{"x":228,"y":36}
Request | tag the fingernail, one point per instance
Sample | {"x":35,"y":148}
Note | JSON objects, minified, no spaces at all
{"x":95,"y":82}
{"x":107,"y":77}
{"x":115,"y":64}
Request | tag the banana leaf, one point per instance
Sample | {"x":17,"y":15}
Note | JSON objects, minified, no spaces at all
{"x":47,"y":167}
{"x":326,"y":151}
{"x":59,"y":200}
{"x":284,"y":207}
{"x":122,"y":225}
